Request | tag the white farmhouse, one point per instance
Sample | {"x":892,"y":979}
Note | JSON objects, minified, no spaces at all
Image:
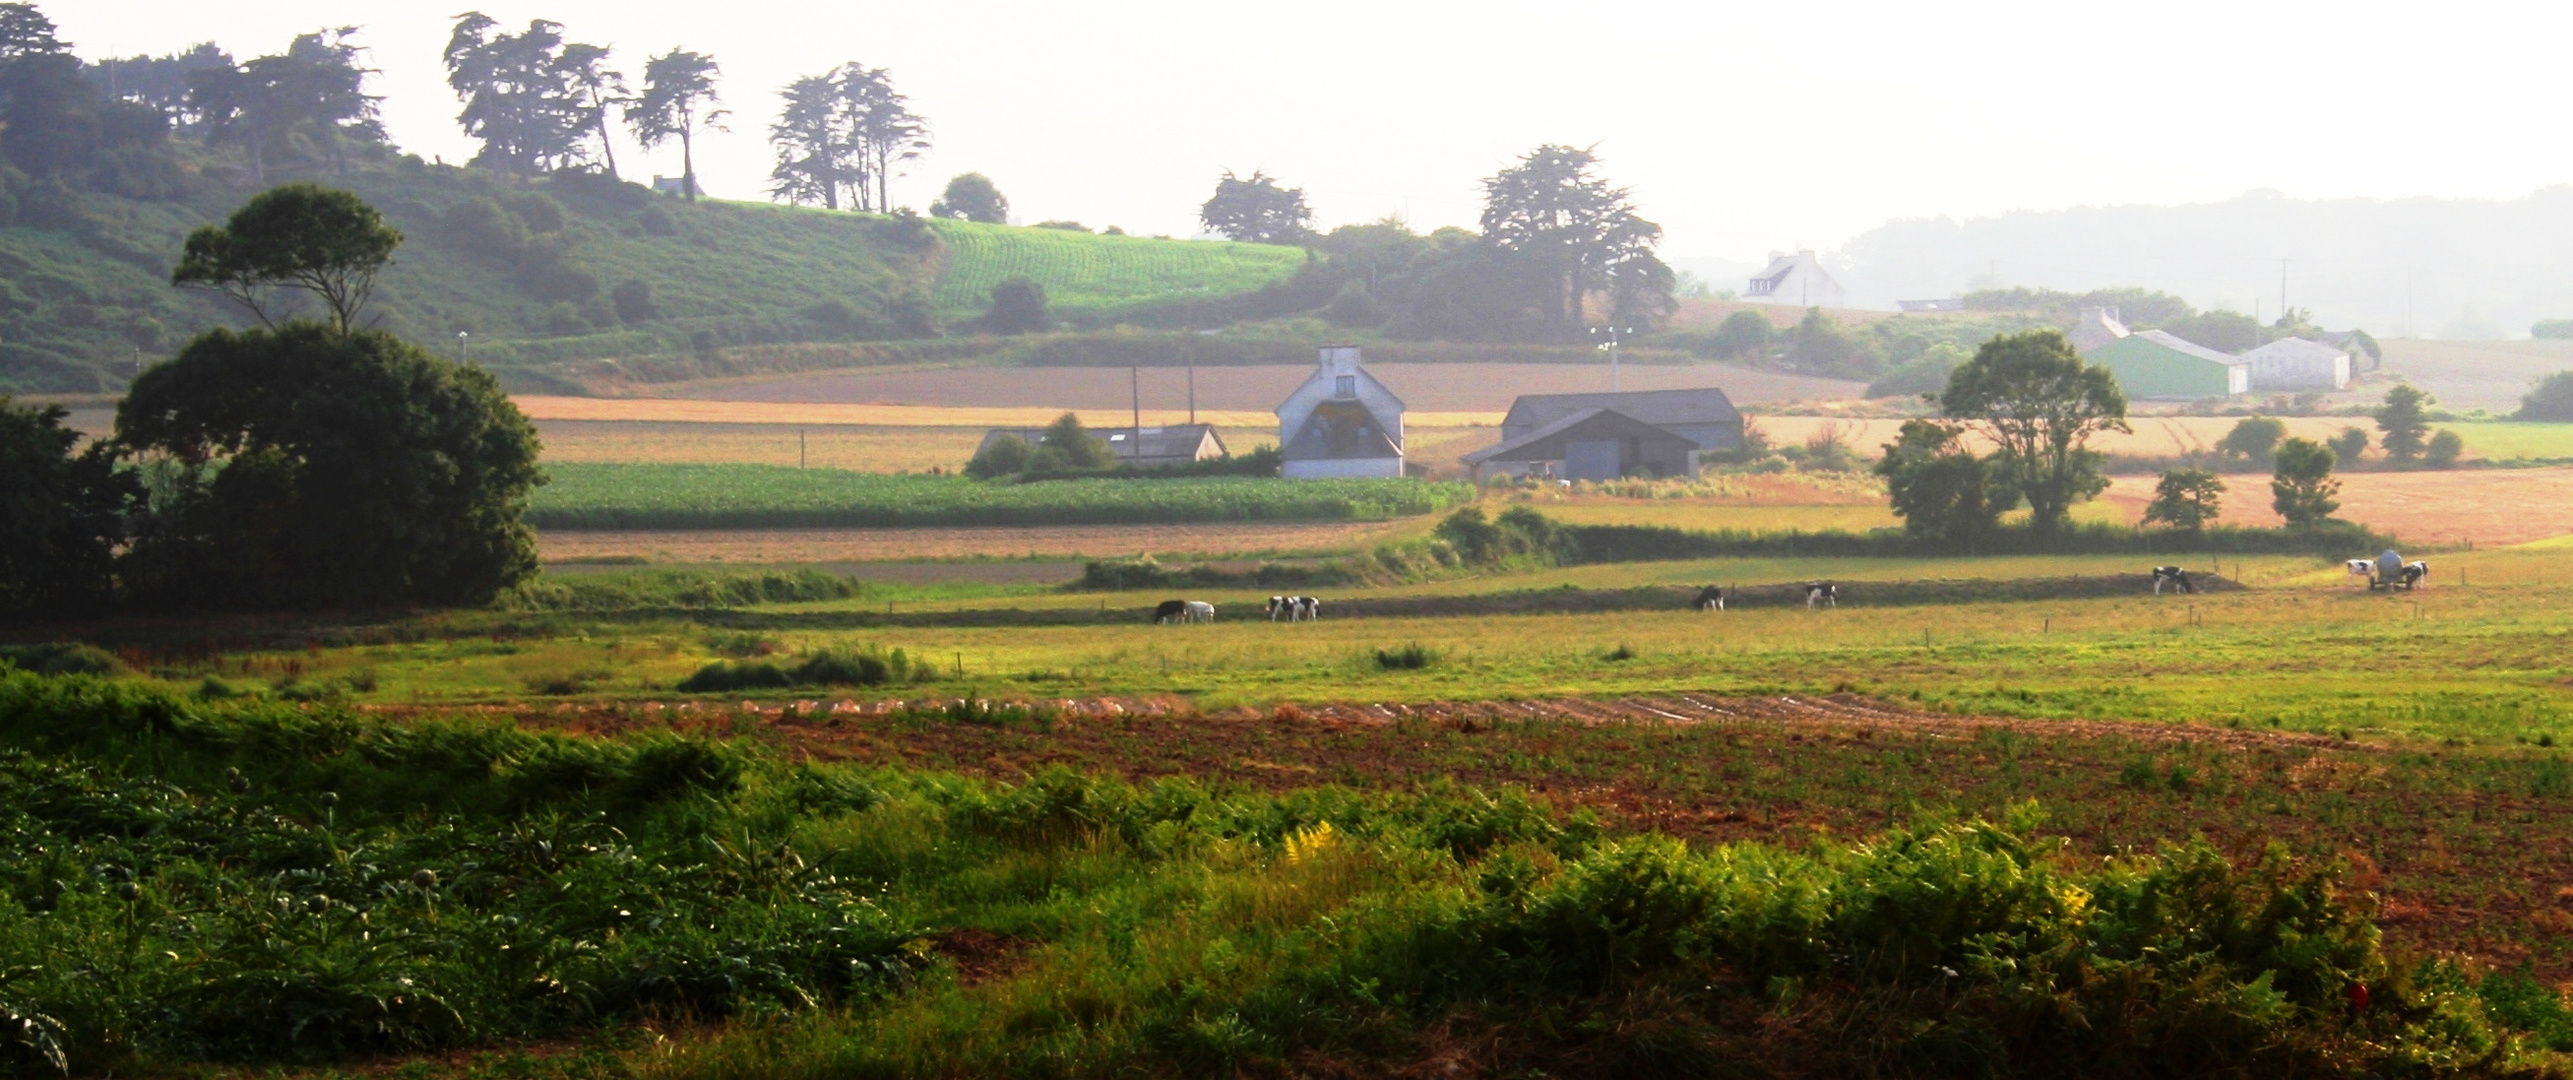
{"x":1797,"y":279}
{"x":1341,"y":422}
{"x":2298,"y":364}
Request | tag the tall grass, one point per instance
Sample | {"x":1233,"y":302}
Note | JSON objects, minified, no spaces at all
{"x":1086,"y":274}
{"x":594,"y":495}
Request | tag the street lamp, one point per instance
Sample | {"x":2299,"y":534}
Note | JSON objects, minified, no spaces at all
{"x":1609,"y":346}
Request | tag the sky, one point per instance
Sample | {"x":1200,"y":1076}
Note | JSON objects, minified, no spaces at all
{"x":1741,"y":128}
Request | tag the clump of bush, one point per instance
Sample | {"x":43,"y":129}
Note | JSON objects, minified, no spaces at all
{"x":628,"y":591}
{"x":866,"y":667}
{"x":1412,"y":657}
{"x":61,"y":658}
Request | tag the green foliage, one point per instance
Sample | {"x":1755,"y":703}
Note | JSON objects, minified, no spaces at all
{"x":61,"y":658}
{"x":1943,"y":493}
{"x":2140,"y":308}
{"x":865,"y":667}
{"x":1412,"y":657}
{"x":1552,"y":214}
{"x":2404,"y":418}
{"x":2550,"y":400}
{"x":1257,"y":210}
{"x":1924,"y":376}
{"x":1067,"y":446}
{"x":60,"y":513}
{"x":1018,"y":307}
{"x":1818,"y":346}
{"x":2302,"y":489}
{"x":972,"y":197}
{"x":2253,"y":438}
{"x":2350,"y":444}
{"x":327,"y":468}
{"x":1090,"y":279}
{"x":2444,"y":449}
{"x":1006,"y":455}
{"x":620,"y":496}
{"x":2035,"y":398}
{"x":2186,"y":499}
{"x":690,"y":589}
{"x":2223,"y":331}
{"x":323,"y":241}
{"x":1519,"y":537}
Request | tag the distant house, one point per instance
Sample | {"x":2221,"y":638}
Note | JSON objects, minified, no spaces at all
{"x":1143,"y":448}
{"x":1605,"y":436}
{"x":1797,"y":279}
{"x":2295,"y":364}
{"x":673,"y":185}
{"x":1341,"y":422}
{"x":2154,"y":364}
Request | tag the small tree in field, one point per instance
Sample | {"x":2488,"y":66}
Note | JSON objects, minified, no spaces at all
{"x":2444,"y":449}
{"x":1006,"y":456}
{"x":1018,"y":307}
{"x":2302,"y":489}
{"x":2350,"y":445}
{"x":2550,"y":400}
{"x":2186,"y":499}
{"x":2255,"y":438}
{"x":972,"y":197}
{"x":320,"y":240}
{"x":2033,"y":396}
{"x":2405,"y":421}
{"x":1068,"y":446}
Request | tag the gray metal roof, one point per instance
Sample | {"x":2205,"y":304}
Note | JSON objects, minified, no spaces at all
{"x":1708,"y":405}
{"x":1608,"y":420}
{"x":2184,"y":345}
{"x":2295,"y":348}
{"x":1171,"y":441}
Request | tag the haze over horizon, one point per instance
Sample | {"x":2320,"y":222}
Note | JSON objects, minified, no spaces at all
{"x":1741,"y":131}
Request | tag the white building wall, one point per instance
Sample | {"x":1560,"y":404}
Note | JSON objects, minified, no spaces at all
{"x":1341,"y":468}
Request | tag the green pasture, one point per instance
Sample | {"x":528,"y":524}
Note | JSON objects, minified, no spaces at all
{"x":602,"y":495}
{"x":2504,"y":440}
{"x":1088,"y":274}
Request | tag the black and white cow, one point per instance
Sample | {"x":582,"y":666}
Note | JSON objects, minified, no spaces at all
{"x":1710,"y":598}
{"x":2413,"y":573}
{"x":1170,"y":611}
{"x":1307,"y":609}
{"x":1821,"y":594}
{"x":2363,"y":569}
{"x":1280,"y":605}
{"x":1198,"y":611}
{"x":2173,"y":576}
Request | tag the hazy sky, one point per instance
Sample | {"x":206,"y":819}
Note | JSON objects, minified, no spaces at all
{"x":1741,"y":128}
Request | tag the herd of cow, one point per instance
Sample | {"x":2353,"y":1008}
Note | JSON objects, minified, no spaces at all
{"x":2386,"y":571}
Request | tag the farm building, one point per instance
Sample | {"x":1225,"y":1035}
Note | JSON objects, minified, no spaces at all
{"x":1604,"y":436}
{"x":1797,"y":279}
{"x":1144,"y":448}
{"x":1341,"y":422}
{"x":2153,"y":364}
{"x":2298,"y":364}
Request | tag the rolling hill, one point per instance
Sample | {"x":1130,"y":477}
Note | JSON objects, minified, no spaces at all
{"x":582,"y":268}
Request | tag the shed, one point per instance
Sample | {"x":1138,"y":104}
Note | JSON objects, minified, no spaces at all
{"x":1341,"y":422}
{"x":2154,"y":364}
{"x":1144,"y":448}
{"x":1591,"y":444}
{"x":2297,"y":364}
{"x":1704,"y":416}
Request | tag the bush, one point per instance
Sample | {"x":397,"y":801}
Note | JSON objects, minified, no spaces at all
{"x":1412,"y":657}
{"x":868,"y":667}
{"x":633,"y":301}
{"x":2254,"y":438}
{"x":2551,"y":400}
{"x":61,"y":658}
{"x":2445,"y":448}
{"x":641,"y":590}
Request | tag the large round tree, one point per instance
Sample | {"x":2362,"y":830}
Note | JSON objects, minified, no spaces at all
{"x":2032,"y":395}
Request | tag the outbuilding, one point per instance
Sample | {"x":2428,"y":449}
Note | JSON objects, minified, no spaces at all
{"x":2155,"y":364}
{"x":2295,"y":364}
{"x":1341,"y":422}
{"x":1590,"y":444}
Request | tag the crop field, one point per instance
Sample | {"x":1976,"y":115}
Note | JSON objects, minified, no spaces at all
{"x":622,"y":496}
{"x":788,"y":547}
{"x":2467,"y":506}
{"x":1090,"y":274}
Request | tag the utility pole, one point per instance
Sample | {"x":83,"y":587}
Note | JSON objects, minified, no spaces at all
{"x":1135,"y":387}
{"x":1192,"y":393}
{"x":2282,"y":290}
{"x":1610,"y":347}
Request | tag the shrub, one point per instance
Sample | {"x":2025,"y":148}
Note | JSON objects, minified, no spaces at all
{"x":2302,"y":487}
{"x":61,"y":658}
{"x":1018,"y":307}
{"x":1412,"y":657}
{"x":2186,"y":499}
{"x":2551,"y":400}
{"x":866,"y":667}
{"x":2444,"y":449}
{"x":2349,"y":445}
{"x":2254,"y":438}
{"x":633,"y":301}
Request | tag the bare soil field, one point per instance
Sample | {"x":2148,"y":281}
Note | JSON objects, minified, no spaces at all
{"x":800,"y":546}
{"x":2479,"y":506}
{"x":1253,"y":389}
{"x":2488,"y":375}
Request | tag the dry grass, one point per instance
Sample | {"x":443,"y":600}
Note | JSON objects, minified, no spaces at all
{"x":793,"y":546}
{"x":2479,"y":506}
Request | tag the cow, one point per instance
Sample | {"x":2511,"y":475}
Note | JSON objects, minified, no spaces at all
{"x":1170,"y":611}
{"x":2173,"y":575}
{"x":1306,"y":608}
{"x":1282,"y":605}
{"x":1821,"y":594}
{"x":1710,"y":598}
{"x":2363,"y":569}
{"x":2413,"y":573}
{"x":1199,"y":611}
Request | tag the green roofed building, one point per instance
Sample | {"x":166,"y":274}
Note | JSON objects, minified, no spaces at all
{"x":2153,"y":364}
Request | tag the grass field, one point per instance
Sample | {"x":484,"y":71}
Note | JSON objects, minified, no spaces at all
{"x":1085,"y":274}
{"x":773,"y":547}
{"x":626,"y":496}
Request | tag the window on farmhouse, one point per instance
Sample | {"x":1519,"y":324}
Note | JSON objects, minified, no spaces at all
{"x":1344,"y":386}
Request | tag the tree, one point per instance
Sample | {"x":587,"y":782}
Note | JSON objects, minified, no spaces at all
{"x":1257,"y":210}
{"x":2404,"y":421}
{"x":25,"y":32}
{"x":1018,"y":307}
{"x":2301,"y":487}
{"x":521,"y":93}
{"x":815,"y":161}
{"x":2444,"y":449}
{"x":1005,"y":456}
{"x":972,"y":197}
{"x":2254,"y":438}
{"x":2185,"y":499}
{"x":882,"y":128}
{"x":1817,"y":345}
{"x":600,"y":86}
{"x":301,"y":236}
{"x":2550,"y":400}
{"x":2350,"y":444}
{"x":329,"y":468}
{"x":1942,"y":492}
{"x":678,"y":97}
{"x":60,"y":512}
{"x":2032,"y":395}
{"x":1067,"y":445}
{"x":316,"y":87}
{"x":1741,"y":335}
{"x":1553,"y":210}
{"x":53,"y":123}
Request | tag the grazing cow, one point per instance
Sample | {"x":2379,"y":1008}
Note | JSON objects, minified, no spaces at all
{"x":1200,"y":611}
{"x":2413,"y":573}
{"x":2178,"y":578}
{"x":1307,"y":608}
{"x":1170,"y":611}
{"x":1710,"y":598}
{"x":1821,"y":594}
{"x":1282,"y":605}
{"x":2363,"y":569}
